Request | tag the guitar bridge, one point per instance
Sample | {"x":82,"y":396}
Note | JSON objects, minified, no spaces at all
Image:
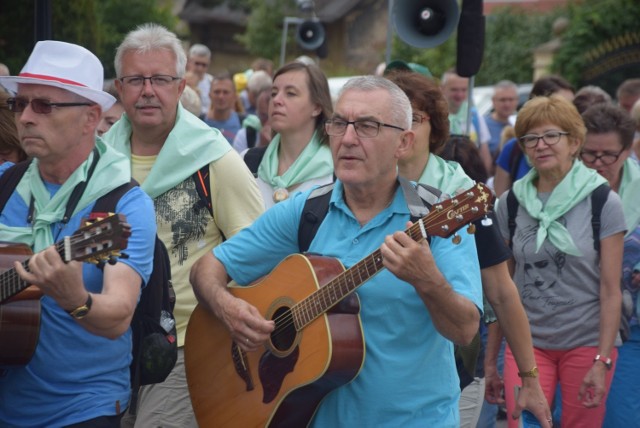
{"x":241,"y":363}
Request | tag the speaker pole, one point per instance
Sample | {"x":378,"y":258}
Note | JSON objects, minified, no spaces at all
{"x":285,"y":29}
{"x":469,"y":103}
{"x":387,"y":55}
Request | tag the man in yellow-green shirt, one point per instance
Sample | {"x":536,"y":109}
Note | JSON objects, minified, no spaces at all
{"x":167,"y":145}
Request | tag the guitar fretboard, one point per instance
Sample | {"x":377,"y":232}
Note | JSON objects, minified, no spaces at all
{"x":11,"y":283}
{"x":340,"y":287}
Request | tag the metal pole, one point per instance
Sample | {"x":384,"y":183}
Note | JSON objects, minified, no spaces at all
{"x":469,"y":104}
{"x":387,"y":56}
{"x":43,"y":26}
{"x":285,"y":30}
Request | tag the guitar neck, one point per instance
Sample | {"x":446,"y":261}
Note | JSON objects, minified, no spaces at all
{"x":337,"y":289}
{"x":444,"y":219}
{"x":11,"y":283}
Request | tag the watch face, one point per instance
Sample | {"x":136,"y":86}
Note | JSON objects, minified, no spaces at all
{"x":80,"y":312}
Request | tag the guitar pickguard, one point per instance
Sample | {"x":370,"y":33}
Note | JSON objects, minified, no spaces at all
{"x":272,"y":371}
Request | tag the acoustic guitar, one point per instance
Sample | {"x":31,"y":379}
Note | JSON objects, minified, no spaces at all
{"x":317,"y":344}
{"x":20,"y":302}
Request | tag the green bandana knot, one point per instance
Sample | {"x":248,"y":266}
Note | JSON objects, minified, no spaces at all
{"x":579,"y":183}
{"x":315,"y":161}
{"x":111,"y":171}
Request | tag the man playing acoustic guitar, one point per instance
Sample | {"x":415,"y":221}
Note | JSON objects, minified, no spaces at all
{"x":79,"y":373}
{"x":425,"y":296}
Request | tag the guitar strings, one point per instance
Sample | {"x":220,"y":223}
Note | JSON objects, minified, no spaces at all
{"x":307,"y":305}
{"x":14,"y":283}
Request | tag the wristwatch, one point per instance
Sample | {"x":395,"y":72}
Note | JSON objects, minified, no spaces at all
{"x":531,"y":373}
{"x":82,"y":311}
{"x":604,"y":360}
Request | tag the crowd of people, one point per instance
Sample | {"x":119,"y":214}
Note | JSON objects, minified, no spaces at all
{"x":555,"y":270}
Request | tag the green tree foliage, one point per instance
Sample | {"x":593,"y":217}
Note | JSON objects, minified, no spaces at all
{"x":264,"y":27}
{"x":511,"y":36}
{"x":95,"y":24}
{"x":438,"y":59}
{"x":117,"y":17}
{"x":602,"y":44}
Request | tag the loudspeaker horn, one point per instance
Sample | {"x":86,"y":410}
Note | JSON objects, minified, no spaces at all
{"x":310,"y":35}
{"x":425,"y":23}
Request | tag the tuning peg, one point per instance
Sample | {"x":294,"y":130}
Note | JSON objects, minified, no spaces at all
{"x":456,"y":239}
{"x":471,"y":229}
{"x":486,"y":221}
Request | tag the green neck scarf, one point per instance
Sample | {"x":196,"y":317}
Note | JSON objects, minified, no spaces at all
{"x":629,"y":192}
{"x":252,"y":121}
{"x":190,"y":145}
{"x":457,"y":121}
{"x":579,"y":183}
{"x":112,"y":170}
{"x":315,"y":161}
{"x":448,"y":176}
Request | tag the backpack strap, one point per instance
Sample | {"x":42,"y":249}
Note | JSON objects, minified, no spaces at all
{"x":512,"y":211}
{"x":251,"y":134}
{"x":203,"y":187}
{"x":598,"y":198}
{"x":514,"y":161}
{"x":419,"y":198}
{"x":253,"y":157}
{"x":10,"y":179}
{"x":107,"y":203}
{"x":314,"y":211}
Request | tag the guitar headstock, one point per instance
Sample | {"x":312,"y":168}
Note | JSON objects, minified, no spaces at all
{"x":98,"y":241}
{"x":448,"y":216}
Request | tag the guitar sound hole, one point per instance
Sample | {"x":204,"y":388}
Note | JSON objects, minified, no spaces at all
{"x":284,"y":334}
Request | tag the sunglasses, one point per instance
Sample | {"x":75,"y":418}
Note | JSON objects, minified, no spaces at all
{"x":38,"y":105}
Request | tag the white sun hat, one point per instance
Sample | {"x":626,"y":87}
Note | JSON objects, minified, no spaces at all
{"x":63,"y":65}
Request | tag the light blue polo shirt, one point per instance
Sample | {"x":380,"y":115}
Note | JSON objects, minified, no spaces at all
{"x":409,"y":376}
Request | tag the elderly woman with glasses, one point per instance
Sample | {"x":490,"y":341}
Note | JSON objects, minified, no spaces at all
{"x":607,"y":149}
{"x":570,"y":289}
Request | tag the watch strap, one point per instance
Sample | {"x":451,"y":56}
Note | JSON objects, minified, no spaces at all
{"x":604,"y":360}
{"x":530,"y":373}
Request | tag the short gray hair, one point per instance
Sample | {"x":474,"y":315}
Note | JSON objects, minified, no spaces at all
{"x":199,"y":49}
{"x":148,"y":38}
{"x":259,"y":80}
{"x":400,"y":105}
{"x":505,"y":84}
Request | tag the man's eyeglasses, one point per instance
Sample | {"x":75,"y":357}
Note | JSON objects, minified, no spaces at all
{"x":606,"y":158}
{"x":158,"y":80}
{"x":419,"y":118}
{"x":38,"y":105}
{"x":364,"y":128}
{"x":550,"y":138}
